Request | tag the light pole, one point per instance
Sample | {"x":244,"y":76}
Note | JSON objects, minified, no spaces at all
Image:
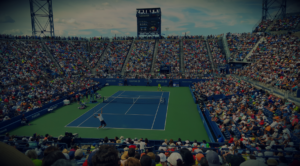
{"x":167,"y":31}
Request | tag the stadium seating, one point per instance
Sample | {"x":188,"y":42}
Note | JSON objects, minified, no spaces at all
{"x":275,"y":65}
{"x":141,"y":57}
{"x":64,"y":53}
{"x":216,"y":52}
{"x":115,"y":56}
{"x":241,"y":44}
{"x":287,"y":23}
{"x":195,"y":58}
{"x":168,"y":55}
{"x":263,"y":25}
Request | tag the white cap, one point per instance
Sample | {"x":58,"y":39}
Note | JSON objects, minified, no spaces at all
{"x":163,"y":157}
{"x":173,"y":158}
{"x":260,"y":154}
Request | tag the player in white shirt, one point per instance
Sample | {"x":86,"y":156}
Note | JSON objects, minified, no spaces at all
{"x":102,"y":122}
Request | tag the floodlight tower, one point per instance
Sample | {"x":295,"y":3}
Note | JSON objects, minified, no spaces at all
{"x":267,"y":5}
{"x":41,"y":8}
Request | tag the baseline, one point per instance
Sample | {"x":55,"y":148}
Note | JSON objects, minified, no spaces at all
{"x":98,"y":110}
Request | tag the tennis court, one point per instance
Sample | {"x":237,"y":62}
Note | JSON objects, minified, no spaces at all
{"x":128,"y":110}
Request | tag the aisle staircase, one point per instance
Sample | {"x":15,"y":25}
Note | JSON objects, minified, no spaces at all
{"x":267,"y":87}
{"x":127,"y":57}
{"x":210,"y":56}
{"x":80,"y":57}
{"x":182,"y":69}
{"x":271,"y":25}
{"x":254,"y":48}
{"x":154,"y":56}
{"x":226,"y":48}
{"x":48,"y":53}
{"x":101,"y":58}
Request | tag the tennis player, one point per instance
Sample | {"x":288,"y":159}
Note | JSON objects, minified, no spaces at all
{"x":102,"y":122}
{"x":159,"y":87}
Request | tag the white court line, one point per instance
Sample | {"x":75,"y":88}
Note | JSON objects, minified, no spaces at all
{"x":100,"y":109}
{"x":87,"y":111}
{"x":142,"y":91}
{"x":132,"y":105}
{"x":128,"y":114}
{"x":116,"y":128}
{"x":157,"y":111}
{"x":138,"y":96}
{"x":167,"y":111}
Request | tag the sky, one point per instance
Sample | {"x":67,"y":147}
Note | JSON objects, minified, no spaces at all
{"x":107,"y":18}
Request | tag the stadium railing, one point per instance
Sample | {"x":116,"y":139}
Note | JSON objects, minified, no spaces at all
{"x":210,"y":136}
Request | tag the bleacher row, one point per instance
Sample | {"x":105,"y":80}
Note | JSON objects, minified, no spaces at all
{"x":143,"y":146}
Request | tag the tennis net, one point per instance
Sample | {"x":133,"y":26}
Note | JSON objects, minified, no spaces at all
{"x":134,"y":100}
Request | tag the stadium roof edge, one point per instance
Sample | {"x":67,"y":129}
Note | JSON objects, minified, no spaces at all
{"x":148,"y":8}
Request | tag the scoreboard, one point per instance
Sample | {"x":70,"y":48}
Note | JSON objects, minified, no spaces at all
{"x":148,"y":21}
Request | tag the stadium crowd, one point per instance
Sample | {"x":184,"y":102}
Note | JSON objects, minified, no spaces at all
{"x":241,"y":44}
{"x":168,"y":54}
{"x":65,"y":54}
{"x":23,"y":62}
{"x":19,"y":99}
{"x":276,"y":62}
{"x":218,"y":57}
{"x":141,"y":57}
{"x":226,"y":86}
{"x":263,"y":25}
{"x":196,"y":58}
{"x":114,"y":57}
{"x":287,"y":23}
{"x":47,"y":151}
{"x":97,"y":49}
{"x":258,"y":121}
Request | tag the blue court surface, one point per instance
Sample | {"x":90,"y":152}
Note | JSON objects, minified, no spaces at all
{"x":128,"y":110}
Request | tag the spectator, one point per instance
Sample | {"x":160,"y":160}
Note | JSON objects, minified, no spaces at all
{"x":106,"y":155}
{"x":187,"y":157}
{"x":64,"y":162}
{"x":124,"y":157}
{"x":220,"y":139}
{"x":175,"y":159}
{"x":163,"y":159}
{"x":24,"y":120}
{"x":52,"y":157}
{"x":49,"y":150}
{"x":272,"y":162}
{"x":79,"y":156}
{"x":198,"y":158}
{"x":132,"y":162}
{"x":146,"y":160}
{"x":212,"y":158}
{"x":34,"y":157}
{"x":67,"y":139}
{"x":131,"y":152}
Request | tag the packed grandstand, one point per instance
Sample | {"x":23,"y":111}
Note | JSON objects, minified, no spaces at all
{"x":248,"y":94}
